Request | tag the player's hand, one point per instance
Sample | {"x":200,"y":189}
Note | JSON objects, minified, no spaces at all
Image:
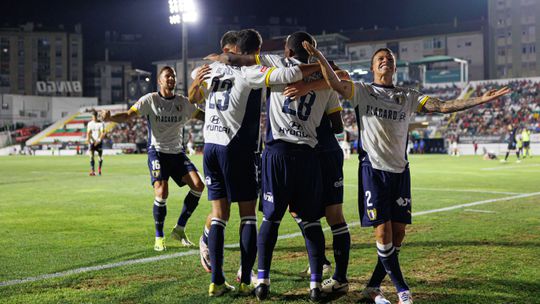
{"x":296,"y":90}
{"x":105,"y":115}
{"x":494,"y":94}
{"x":212,"y":57}
{"x":202,"y":74}
{"x":312,"y":51}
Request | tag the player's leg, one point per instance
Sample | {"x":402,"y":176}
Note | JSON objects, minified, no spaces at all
{"x":274,"y":205}
{"x":100,"y":158}
{"x":217,"y":194}
{"x":92,"y":161}
{"x":332,"y":185}
{"x":373,"y":212}
{"x":203,"y":245}
{"x":161,"y":192}
{"x":248,"y":243}
{"x":341,"y":245}
{"x":158,"y":178}
{"x":191,"y":201}
{"x":327,"y":265}
{"x":307,"y":203}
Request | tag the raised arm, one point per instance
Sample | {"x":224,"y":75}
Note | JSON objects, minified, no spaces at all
{"x":302,"y":87}
{"x":435,"y":105}
{"x":343,"y":87}
{"x":118,"y":117}
{"x":233,"y":59}
{"x":195,"y":92}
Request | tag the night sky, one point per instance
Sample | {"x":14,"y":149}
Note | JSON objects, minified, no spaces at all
{"x":150,"y":17}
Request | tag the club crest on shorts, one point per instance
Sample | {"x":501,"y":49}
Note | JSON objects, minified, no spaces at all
{"x":208,"y":180}
{"x":372,"y":214}
{"x":155,"y":173}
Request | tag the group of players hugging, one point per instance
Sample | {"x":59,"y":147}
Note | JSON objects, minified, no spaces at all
{"x":301,"y":165}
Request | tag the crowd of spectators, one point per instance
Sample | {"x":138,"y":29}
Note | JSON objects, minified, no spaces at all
{"x":521,"y":109}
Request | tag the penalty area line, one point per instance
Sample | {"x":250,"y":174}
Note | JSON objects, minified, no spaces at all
{"x":195,"y":252}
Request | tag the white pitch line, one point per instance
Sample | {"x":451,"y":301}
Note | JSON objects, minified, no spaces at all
{"x":503,"y":167}
{"x":480,"y":211}
{"x":194,"y":252}
{"x":453,"y":190}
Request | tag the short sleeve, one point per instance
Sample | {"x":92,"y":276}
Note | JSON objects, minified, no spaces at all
{"x":333,"y":104}
{"x":417,"y":100}
{"x":358,"y":93}
{"x":142,"y":106}
{"x":270,"y":60}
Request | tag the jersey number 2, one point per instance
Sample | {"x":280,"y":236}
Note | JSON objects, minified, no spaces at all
{"x":304,"y":107}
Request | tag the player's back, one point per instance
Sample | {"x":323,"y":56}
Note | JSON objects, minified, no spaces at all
{"x":232,"y":109}
{"x":295,"y":121}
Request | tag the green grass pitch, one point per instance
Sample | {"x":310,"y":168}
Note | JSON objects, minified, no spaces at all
{"x":54,"y":218}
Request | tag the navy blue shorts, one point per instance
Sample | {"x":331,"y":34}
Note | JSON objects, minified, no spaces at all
{"x":96,"y":148}
{"x":164,"y":165}
{"x":384,"y":196}
{"x":291,"y":179}
{"x":526,"y":144}
{"x":230,"y":173}
{"x":511,"y":146}
{"x":332,"y":177}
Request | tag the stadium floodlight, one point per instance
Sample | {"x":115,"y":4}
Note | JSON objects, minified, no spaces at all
{"x":182,"y":12}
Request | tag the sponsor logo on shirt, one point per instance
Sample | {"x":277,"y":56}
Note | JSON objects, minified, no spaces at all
{"x":385,"y":113}
{"x":263,"y":69}
{"x":339,"y":183}
{"x":215,"y":125}
{"x":294,"y":129}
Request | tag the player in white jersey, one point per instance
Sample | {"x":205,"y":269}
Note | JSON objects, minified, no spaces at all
{"x":166,"y":114}
{"x":383,"y":113}
{"x":95,"y":131}
{"x":296,"y":54}
{"x":233,"y":97}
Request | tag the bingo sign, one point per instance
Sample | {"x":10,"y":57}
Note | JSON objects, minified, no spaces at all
{"x":58,"y":87}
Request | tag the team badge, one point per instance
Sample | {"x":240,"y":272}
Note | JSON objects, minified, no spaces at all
{"x":155,"y":173}
{"x":208,"y":180}
{"x":372,"y":214}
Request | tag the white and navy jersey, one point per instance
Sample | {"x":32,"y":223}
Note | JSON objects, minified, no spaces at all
{"x":383,"y":115}
{"x":295,"y":121}
{"x":166,"y":118}
{"x":233,"y":98}
{"x":96,"y":128}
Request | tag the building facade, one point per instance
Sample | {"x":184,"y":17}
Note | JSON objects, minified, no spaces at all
{"x":514,"y":36}
{"x":39,"y":61}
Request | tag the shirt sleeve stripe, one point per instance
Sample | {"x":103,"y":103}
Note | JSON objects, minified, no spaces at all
{"x":258,"y":59}
{"x":334,"y":110}
{"x":134,"y":109}
{"x":352,"y":90}
{"x":422,"y":103}
{"x":267,"y":79}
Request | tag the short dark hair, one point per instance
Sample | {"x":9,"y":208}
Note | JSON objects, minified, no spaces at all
{"x":163,"y":69}
{"x":94,"y":113}
{"x":381,"y":50}
{"x":249,"y":41}
{"x":229,"y":37}
{"x":294,"y":42}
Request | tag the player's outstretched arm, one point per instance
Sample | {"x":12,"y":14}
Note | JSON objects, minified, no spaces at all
{"x":233,"y":59}
{"x":343,"y":87}
{"x":301,"y":88}
{"x":195,"y":92}
{"x":435,"y":105}
{"x":118,"y":117}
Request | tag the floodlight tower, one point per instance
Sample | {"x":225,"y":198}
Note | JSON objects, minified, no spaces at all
{"x":182,"y":12}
